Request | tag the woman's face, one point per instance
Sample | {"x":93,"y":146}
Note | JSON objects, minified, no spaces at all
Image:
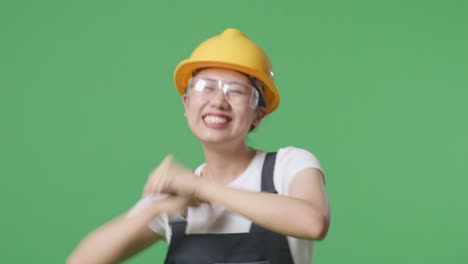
{"x":215,"y":119}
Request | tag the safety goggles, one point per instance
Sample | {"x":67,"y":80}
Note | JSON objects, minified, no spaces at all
{"x":236,"y":93}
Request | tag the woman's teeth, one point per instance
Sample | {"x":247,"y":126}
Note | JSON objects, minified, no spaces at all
{"x":215,"y":119}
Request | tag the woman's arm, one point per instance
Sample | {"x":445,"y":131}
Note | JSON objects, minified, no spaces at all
{"x":303,"y":214}
{"x":124,"y":236}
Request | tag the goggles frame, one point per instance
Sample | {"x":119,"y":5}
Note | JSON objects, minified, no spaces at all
{"x":224,"y":86}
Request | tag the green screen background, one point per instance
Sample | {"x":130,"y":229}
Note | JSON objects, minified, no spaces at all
{"x":377,"y":90}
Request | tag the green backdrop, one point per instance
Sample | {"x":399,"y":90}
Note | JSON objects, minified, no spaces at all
{"x":377,"y":90}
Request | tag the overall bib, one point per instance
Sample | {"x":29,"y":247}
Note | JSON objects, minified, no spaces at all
{"x":259,"y":246}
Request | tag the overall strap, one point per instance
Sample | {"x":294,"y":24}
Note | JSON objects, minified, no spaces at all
{"x":267,"y":184}
{"x":267,"y":173}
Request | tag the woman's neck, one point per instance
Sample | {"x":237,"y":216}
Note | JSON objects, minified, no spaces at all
{"x":224,"y":164}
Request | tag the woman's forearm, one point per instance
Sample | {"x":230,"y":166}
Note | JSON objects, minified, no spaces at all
{"x":115,"y":241}
{"x":283,"y":214}
{"x":126,"y":235}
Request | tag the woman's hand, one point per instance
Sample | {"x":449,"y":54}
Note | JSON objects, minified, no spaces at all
{"x":172,"y":178}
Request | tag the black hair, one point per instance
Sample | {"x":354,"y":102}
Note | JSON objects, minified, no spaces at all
{"x":260,"y":87}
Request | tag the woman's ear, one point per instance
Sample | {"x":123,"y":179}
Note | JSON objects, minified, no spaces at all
{"x":185,"y":102}
{"x":261,"y":112}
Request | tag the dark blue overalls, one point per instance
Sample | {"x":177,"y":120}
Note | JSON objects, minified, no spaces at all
{"x":259,"y":246}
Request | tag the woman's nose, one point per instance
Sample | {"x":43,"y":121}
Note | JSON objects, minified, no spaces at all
{"x":219,"y":99}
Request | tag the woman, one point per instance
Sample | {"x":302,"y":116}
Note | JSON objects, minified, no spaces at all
{"x":243,"y":205}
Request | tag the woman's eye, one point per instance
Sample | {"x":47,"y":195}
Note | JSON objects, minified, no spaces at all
{"x":239,"y":90}
{"x":209,"y":88}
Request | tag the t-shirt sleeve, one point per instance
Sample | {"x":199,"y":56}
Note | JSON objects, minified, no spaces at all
{"x":159,"y":223}
{"x":290,"y":161}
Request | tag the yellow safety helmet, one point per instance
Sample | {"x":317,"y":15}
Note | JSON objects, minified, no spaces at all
{"x":233,"y":50}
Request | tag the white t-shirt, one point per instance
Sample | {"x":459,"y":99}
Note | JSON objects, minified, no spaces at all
{"x":209,"y":218}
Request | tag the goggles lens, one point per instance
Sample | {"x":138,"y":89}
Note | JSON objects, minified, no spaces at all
{"x":235,"y":93}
